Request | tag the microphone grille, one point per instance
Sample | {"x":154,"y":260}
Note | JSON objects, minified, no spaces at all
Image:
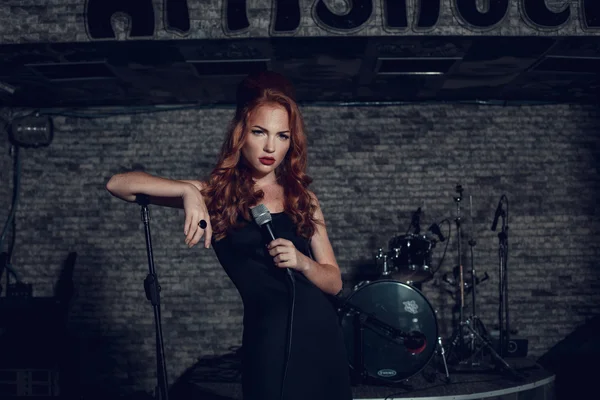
{"x":261,"y":214}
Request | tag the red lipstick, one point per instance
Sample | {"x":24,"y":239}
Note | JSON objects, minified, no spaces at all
{"x":267,"y":160}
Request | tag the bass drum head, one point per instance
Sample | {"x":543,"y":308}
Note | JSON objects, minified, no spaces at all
{"x":400,"y":306}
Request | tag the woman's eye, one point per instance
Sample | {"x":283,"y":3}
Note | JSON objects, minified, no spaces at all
{"x":257,"y":132}
{"x":283,"y":136}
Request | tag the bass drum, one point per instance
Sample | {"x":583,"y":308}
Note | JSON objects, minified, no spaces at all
{"x":401,"y":307}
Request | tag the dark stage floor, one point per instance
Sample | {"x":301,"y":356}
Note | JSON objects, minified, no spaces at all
{"x":218,"y":379}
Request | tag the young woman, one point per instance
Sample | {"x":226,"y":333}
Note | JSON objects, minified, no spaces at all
{"x":292,"y":345}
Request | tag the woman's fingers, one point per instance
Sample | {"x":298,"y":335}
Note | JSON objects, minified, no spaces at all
{"x":208,"y":234}
{"x":277,"y":250}
{"x":283,"y":253}
{"x":279,"y":244}
{"x":197,"y":235}
{"x":188,"y":228}
{"x":281,"y":259}
{"x":194,"y":232}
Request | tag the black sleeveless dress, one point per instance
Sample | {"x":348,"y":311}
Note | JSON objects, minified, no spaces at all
{"x":317,"y":366}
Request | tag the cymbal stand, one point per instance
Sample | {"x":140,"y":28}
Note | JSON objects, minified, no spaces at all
{"x":503,"y":322}
{"x":474,"y":321}
{"x":469,"y":323}
{"x":458,"y":337}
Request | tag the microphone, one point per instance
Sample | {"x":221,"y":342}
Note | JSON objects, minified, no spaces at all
{"x":435,"y":229}
{"x":497,"y":215}
{"x":262,"y":217}
{"x":414,"y":341}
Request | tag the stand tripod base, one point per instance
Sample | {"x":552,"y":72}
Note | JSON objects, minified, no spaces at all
{"x":483,"y":344}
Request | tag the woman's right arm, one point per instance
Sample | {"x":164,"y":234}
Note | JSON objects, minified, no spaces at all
{"x":167,"y":192}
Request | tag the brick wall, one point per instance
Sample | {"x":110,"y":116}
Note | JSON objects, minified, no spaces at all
{"x":372,"y":167}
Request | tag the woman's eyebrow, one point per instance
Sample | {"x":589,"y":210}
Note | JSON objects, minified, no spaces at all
{"x":266,"y":130}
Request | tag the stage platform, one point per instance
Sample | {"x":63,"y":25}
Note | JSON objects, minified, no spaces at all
{"x":218,"y":379}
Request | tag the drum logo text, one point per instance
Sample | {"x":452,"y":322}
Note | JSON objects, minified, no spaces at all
{"x":411,"y":307}
{"x":386,"y":373}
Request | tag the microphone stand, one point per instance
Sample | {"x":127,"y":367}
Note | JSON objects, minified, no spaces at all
{"x":474,"y":319}
{"x":503,"y":322}
{"x":152,"y":289}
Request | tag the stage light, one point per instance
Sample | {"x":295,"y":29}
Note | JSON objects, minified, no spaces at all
{"x":10,"y":89}
{"x":31,"y":131}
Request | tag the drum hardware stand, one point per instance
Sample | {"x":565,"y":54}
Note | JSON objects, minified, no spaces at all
{"x":152,"y":289}
{"x":439,"y":351}
{"x":485,"y":344}
{"x":386,"y":272}
{"x":503,"y":320}
{"x":468,"y":324}
{"x":458,"y":339}
{"x":474,"y":321}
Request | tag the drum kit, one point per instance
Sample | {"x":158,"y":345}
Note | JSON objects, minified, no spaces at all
{"x":390,"y":328}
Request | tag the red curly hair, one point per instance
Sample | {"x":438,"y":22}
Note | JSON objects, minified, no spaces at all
{"x":230,"y":191}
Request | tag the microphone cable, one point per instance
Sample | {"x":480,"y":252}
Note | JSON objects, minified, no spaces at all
{"x":262,"y":217}
{"x":290,"y":329}
{"x":291,"y":324}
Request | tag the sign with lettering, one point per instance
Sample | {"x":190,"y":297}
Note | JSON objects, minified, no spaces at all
{"x":106,"y":20}
{"x":286,"y":16}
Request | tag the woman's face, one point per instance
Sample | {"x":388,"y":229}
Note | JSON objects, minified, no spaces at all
{"x":267,"y":139}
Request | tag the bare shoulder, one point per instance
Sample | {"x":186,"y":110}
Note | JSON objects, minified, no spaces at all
{"x":318,"y":213}
{"x":313,"y":199}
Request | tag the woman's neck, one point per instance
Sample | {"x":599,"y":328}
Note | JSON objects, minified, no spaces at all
{"x":267,"y":180}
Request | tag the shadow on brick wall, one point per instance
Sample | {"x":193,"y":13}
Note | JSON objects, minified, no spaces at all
{"x":102,"y":357}
{"x":33,"y":330}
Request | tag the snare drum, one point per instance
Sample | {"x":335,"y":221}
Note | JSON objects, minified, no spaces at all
{"x":399,"y":306}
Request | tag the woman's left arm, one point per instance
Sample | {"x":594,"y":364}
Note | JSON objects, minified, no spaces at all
{"x":323,"y":271}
